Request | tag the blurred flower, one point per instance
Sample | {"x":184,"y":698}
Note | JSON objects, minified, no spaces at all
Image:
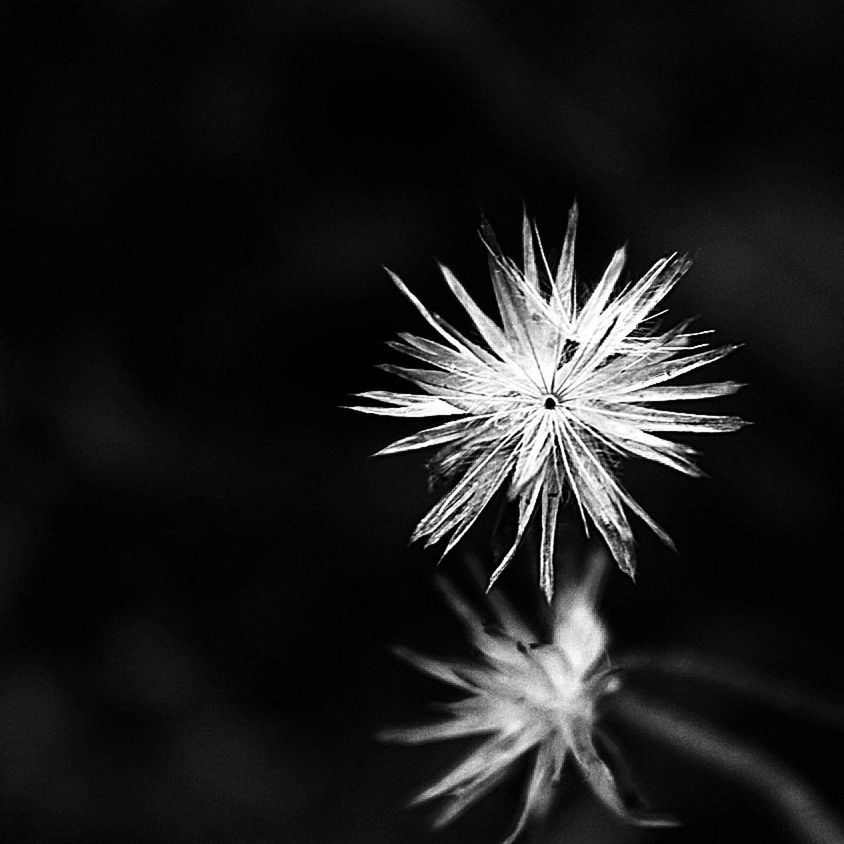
{"x":549,"y":400}
{"x":526,"y":697}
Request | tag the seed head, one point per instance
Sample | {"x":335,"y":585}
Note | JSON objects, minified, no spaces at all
{"x":545,"y":404}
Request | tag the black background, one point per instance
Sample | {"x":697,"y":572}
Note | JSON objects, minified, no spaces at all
{"x":201,"y":569}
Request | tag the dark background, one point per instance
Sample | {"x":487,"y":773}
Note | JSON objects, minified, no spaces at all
{"x":201,"y":569}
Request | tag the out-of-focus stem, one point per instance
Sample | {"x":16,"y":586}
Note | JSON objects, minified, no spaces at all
{"x":785,"y":792}
{"x":740,"y":680}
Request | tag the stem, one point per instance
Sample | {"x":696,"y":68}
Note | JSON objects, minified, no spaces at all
{"x":785,"y":793}
{"x":739,"y":680}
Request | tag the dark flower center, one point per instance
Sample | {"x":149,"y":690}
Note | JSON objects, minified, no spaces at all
{"x":550,"y":402}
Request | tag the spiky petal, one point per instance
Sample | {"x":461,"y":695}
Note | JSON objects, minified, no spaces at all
{"x":544,"y":404}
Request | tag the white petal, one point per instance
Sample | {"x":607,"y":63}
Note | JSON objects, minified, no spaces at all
{"x":481,"y":479}
{"x":600,"y":501}
{"x":649,"y":419}
{"x":488,"y":759}
{"x":407,"y":404}
{"x":439,"y":731}
{"x":444,"y":433}
{"x":492,"y":334}
{"x":527,"y":504}
{"x":550,"y":506}
{"x":676,"y":392}
{"x":535,"y":796}
{"x":564,"y":291}
{"x":600,"y":296}
{"x":668,"y":370}
{"x":432,"y":667}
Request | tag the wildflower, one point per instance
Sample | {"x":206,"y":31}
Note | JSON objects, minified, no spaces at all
{"x":526,"y":697}
{"x":546,"y":403}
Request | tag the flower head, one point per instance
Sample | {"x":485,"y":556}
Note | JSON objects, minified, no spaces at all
{"x":545,"y":403}
{"x":525,"y":697}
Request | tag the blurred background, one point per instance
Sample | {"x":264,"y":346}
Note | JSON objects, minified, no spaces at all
{"x":201,"y":568}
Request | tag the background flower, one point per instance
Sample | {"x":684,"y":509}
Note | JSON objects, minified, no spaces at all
{"x":522,"y":697}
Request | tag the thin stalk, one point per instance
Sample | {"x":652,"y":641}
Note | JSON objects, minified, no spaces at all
{"x":781,"y":789}
{"x":739,"y":680}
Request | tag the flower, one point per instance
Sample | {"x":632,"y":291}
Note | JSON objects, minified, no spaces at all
{"x":526,"y":697}
{"x":547,"y":402}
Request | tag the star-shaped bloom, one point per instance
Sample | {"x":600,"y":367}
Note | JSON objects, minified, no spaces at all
{"x":546,"y":403}
{"x":525,"y":698}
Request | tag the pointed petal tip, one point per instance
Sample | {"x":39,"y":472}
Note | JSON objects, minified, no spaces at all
{"x":398,"y":282}
{"x":401,"y":652}
{"x":388,"y":735}
{"x":493,"y":578}
{"x":384,"y":452}
{"x":403,"y":288}
{"x":418,"y":536}
{"x":418,"y":799}
{"x":629,"y":569}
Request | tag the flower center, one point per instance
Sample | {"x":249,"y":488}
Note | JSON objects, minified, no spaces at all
{"x":550,"y":402}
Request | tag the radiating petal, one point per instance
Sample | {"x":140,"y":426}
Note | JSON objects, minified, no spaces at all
{"x":649,"y":419}
{"x":431,"y":436}
{"x":601,"y":502}
{"x":529,"y":264}
{"x":491,"y":333}
{"x":550,"y":505}
{"x":564,"y":290}
{"x":490,"y":755}
{"x":535,"y":790}
{"x":434,"y":668}
{"x":678,"y":392}
{"x":527,"y":504}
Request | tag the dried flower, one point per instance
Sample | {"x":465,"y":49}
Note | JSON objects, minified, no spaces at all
{"x":549,"y":400}
{"x":526,"y":697}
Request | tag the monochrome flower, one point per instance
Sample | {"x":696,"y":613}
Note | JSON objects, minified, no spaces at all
{"x":524,"y":697}
{"x":547,"y":402}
